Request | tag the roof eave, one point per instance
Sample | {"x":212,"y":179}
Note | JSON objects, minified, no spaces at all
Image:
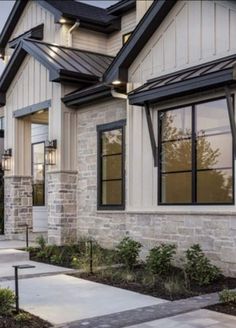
{"x":197,"y":84}
{"x":142,"y":33}
{"x":10,"y":23}
{"x":76,"y":100}
{"x":122,"y":6}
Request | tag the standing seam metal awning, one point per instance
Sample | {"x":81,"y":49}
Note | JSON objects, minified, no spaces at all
{"x":197,"y":78}
{"x":218,"y":73}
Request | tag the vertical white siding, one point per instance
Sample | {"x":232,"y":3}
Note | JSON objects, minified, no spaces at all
{"x":128,"y":23}
{"x":90,"y":40}
{"x":193,"y":32}
{"x":30,"y":85}
{"x":142,"y":6}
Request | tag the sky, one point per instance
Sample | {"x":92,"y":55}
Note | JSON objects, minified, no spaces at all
{"x":6,"y":6}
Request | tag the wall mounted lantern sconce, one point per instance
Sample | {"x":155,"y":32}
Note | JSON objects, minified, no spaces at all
{"x":50,"y":152}
{"x":6,"y":160}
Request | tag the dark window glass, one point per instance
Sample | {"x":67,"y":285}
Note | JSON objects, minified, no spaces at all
{"x":38,"y":168}
{"x":111,"y":166}
{"x":196,"y":157}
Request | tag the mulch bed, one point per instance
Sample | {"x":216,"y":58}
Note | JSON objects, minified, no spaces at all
{"x":226,"y":308}
{"x":158,"y":289}
{"x":32,"y":322}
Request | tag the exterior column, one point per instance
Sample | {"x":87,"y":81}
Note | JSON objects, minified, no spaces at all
{"x":18,"y":181}
{"x":18,"y":204}
{"x":62,"y":216}
{"x":62,"y":177}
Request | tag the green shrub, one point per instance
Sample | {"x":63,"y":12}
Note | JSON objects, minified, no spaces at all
{"x":175,"y":286}
{"x":23,"y":317}
{"x":41,"y":242}
{"x":128,"y":252}
{"x":159,"y":259}
{"x":227,"y":296}
{"x":7,"y":300}
{"x":199,"y":268}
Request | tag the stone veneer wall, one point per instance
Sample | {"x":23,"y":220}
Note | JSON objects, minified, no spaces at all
{"x":62,"y":207}
{"x":215,"y":232}
{"x":18,"y":204}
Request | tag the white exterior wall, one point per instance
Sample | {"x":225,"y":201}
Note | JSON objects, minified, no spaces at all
{"x":128,"y":23}
{"x":89,"y":40}
{"x":30,"y":86}
{"x":141,"y":8}
{"x":194,"y":32}
{"x":33,"y":16}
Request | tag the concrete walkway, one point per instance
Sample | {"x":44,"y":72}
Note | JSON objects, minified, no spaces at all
{"x":16,"y":244}
{"x":60,"y":299}
{"x":195,"y":319}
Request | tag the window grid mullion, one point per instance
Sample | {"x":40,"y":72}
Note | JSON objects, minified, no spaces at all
{"x":194,"y":157}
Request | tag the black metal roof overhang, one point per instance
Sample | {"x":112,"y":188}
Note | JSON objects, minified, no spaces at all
{"x":199,"y":78}
{"x":140,"y":36}
{"x":64,"y":64}
{"x":87,"y":95}
{"x":121,"y":7}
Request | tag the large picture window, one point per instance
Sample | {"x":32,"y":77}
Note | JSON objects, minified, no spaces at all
{"x":111,"y":179}
{"x":196,"y":155}
{"x":38,"y":168}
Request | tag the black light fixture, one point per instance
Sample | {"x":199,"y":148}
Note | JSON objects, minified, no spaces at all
{"x":50,"y":149}
{"x":6,"y":160}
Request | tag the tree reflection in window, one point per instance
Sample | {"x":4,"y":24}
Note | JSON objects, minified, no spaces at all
{"x":196,"y":163}
{"x":111,"y":166}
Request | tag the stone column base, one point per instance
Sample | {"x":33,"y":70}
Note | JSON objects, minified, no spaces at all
{"x":62,"y":216}
{"x":17,"y":204}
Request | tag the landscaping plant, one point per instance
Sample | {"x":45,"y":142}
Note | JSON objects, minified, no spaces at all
{"x":199,"y":268}
{"x":7,"y":300}
{"x":227,"y":296}
{"x":160,"y":258}
{"x":128,"y":252}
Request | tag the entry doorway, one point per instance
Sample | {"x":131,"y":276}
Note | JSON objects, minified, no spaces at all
{"x":39,"y":134}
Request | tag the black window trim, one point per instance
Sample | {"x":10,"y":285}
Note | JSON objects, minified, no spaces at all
{"x":100,"y":129}
{"x":32,"y":168}
{"x":193,"y":169}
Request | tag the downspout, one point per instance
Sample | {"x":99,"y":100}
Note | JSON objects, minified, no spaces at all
{"x":74,"y":27}
{"x":116,"y":94}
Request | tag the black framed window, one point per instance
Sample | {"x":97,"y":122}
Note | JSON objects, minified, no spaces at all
{"x":38,"y":172}
{"x":111,"y":166}
{"x":196,"y":155}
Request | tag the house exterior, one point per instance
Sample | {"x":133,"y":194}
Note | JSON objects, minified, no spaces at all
{"x":121,"y":121}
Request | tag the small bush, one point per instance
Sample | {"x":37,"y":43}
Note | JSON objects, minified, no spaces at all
{"x":41,"y":242}
{"x":7,"y":300}
{"x":175,"y":286}
{"x":128,"y":252}
{"x":227,"y":296}
{"x":23,"y":317}
{"x":199,"y":267}
{"x":159,"y":259}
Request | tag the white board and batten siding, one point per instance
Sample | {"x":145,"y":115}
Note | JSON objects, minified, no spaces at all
{"x":115,"y":40}
{"x":30,"y":86}
{"x":34,"y":15}
{"x":194,"y":32}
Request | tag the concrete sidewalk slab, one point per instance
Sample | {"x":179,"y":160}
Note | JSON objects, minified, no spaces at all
{"x":195,"y":319}
{"x":17,"y":244}
{"x":10,"y":255}
{"x":7,"y":271}
{"x":60,"y":299}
